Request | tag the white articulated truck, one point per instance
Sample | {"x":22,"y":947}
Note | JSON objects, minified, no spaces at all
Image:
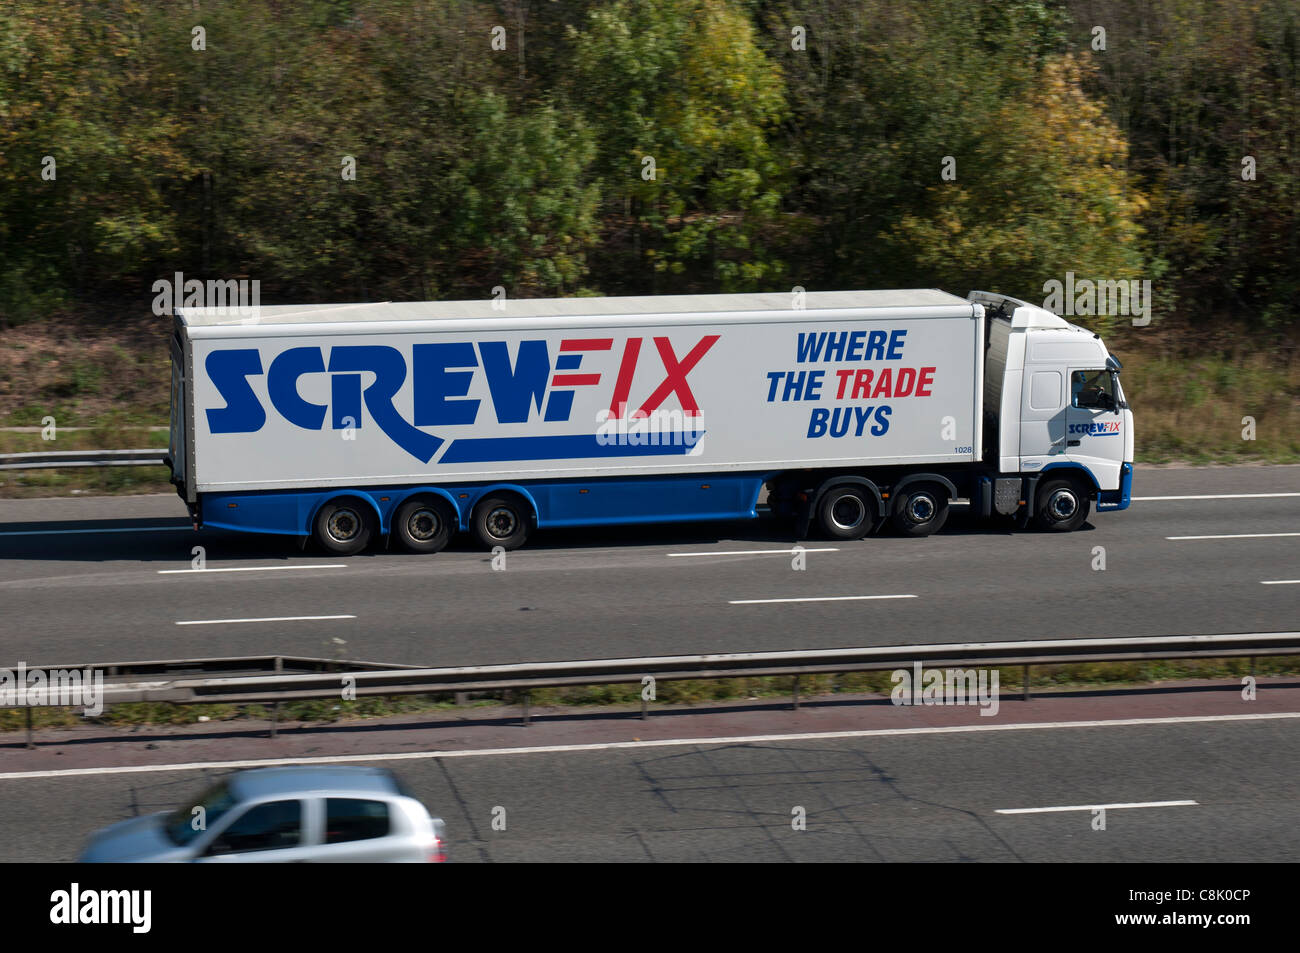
{"x":855,"y":409}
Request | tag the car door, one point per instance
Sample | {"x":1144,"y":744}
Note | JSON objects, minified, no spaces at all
{"x":365,"y":830}
{"x":269,"y":832}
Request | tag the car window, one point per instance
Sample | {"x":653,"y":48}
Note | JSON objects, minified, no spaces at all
{"x":349,"y":819}
{"x":271,"y":826}
{"x":189,"y":821}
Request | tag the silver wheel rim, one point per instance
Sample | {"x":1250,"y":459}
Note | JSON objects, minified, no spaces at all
{"x":424,"y":524}
{"x":847,"y":512}
{"x":344,"y":525}
{"x":1062,"y":505}
{"x":502,"y":522}
{"x":921,"y":508}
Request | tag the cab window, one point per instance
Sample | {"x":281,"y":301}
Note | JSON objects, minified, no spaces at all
{"x":1092,"y":390}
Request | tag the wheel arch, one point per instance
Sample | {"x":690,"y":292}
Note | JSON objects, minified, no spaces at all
{"x":938,"y":478}
{"x":831,"y":482}
{"x":361,"y":496}
{"x":1076,"y":470}
{"x":513,"y":489}
{"x":462,"y":522}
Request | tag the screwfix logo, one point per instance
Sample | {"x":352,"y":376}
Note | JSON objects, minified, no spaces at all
{"x":1096,"y":430}
{"x":535,"y":384}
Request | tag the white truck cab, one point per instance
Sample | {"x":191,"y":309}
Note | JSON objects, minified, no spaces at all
{"x":1060,"y":399}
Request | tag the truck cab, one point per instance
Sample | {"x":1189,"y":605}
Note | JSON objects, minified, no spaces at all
{"x":1054,"y":400}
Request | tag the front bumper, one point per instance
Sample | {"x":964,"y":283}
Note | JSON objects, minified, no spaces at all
{"x":1111,"y":500}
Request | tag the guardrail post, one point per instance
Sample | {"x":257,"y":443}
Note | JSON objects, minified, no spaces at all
{"x":645,"y":708}
{"x":30,"y":743}
{"x":1024,"y":683}
{"x":796,"y":693}
{"x":275,"y":706}
{"x":527,"y":699}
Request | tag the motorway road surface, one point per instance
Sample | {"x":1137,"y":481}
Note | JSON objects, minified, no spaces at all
{"x":103,"y":579}
{"x":1201,"y":791}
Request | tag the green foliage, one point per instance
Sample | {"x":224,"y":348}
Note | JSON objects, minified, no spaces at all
{"x":1197,"y":87}
{"x":682,"y":84}
{"x":813,"y":161}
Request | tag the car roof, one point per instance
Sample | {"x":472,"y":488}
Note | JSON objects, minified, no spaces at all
{"x":325,"y":779}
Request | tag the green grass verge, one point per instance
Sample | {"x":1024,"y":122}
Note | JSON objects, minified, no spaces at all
{"x":686,"y":692}
{"x":1191,"y":409}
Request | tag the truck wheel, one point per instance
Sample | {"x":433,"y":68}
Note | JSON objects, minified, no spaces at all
{"x":501,"y":521}
{"x":920,"y":509}
{"x":845,"y":512}
{"x":424,"y":524}
{"x":344,"y":526}
{"x":1062,"y":506}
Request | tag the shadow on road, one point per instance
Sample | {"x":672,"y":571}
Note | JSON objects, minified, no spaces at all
{"x":164,"y":540}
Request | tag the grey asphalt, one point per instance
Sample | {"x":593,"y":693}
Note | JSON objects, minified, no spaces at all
{"x":915,"y":798}
{"x":75,"y":597}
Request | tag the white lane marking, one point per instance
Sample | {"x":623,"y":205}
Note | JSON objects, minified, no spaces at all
{"x":756,"y":552}
{"x":622,"y":745}
{"x":176,"y":572}
{"x":1279,"y":582}
{"x":1235,"y":536}
{"x":124,"y":529}
{"x":278,"y":618}
{"x":755,"y":602}
{"x":1094,"y":807}
{"x":1218,"y":496}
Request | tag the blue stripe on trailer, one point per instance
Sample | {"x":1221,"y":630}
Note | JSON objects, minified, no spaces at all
{"x":573,"y":447}
{"x":603,"y":501}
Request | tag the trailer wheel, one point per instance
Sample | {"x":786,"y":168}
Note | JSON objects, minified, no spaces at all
{"x":344,"y":526}
{"x":920,"y":509}
{"x":502,"y":521}
{"x":424,"y":524}
{"x":1062,"y":506}
{"x":846,"y":512}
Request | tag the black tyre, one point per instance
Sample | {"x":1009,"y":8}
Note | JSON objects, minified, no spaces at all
{"x":920,"y":509}
{"x":424,"y":524}
{"x":846,"y":512}
{"x":1061,"y":506}
{"x":344,"y":526}
{"x":502,"y":521}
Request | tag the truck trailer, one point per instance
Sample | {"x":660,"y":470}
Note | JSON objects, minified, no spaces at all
{"x":855,"y":410}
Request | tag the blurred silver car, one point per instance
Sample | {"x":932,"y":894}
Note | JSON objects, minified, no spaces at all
{"x":281,"y":815}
